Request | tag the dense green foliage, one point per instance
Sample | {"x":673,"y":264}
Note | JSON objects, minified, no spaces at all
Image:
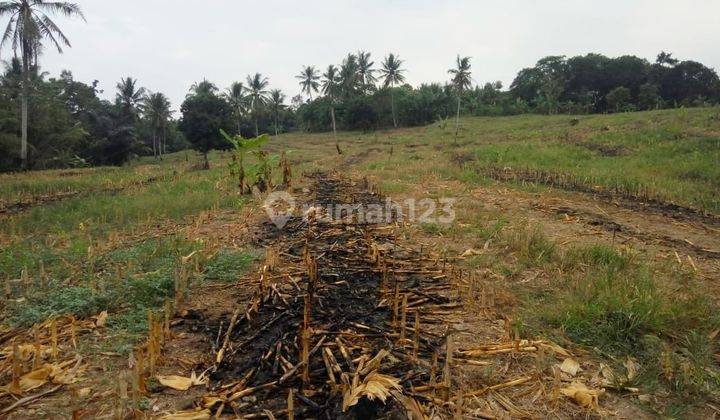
{"x":205,"y":114}
{"x":70,"y":126}
{"x":595,"y":83}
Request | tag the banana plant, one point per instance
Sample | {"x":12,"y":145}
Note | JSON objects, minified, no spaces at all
{"x":260,"y":174}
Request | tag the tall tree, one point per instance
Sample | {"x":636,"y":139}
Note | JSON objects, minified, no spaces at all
{"x":554,"y":74}
{"x":29,"y":24}
{"x":129,"y":95}
{"x":392,"y":74}
{"x":204,"y":114}
{"x":309,"y":80}
{"x":258,"y":95}
{"x":461,"y":81}
{"x":331,"y":89}
{"x":277,"y":104}
{"x":128,"y":99}
{"x":365,"y":70}
{"x":156,"y":107}
{"x":237,"y":98}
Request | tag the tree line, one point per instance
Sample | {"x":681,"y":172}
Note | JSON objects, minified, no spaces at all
{"x":358,"y":95}
{"x":48,"y":122}
{"x":592,"y":83}
{"x":70,"y":125}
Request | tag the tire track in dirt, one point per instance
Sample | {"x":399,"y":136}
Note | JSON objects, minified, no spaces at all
{"x":631,"y":201}
{"x":570,"y":216}
{"x":617,"y":226}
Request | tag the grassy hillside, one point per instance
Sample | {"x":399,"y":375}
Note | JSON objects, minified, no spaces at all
{"x":669,"y":155}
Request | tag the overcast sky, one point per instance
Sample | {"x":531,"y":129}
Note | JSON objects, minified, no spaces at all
{"x":169,"y":44}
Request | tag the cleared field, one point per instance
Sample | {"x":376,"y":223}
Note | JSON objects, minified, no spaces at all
{"x":600,"y":234}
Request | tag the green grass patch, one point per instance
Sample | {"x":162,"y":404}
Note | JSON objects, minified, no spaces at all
{"x":228,"y":265}
{"x":147,"y":278}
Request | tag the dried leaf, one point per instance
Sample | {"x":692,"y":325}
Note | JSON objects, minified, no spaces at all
{"x":713,"y":334}
{"x":198,"y":380}
{"x":179,"y":383}
{"x":554,"y":348}
{"x":36,"y":378}
{"x":185,"y":259}
{"x":30,"y":381}
{"x":632,"y":368}
{"x":607,"y":374}
{"x":101,"y":319}
{"x":182,"y":383}
{"x":582,"y":395}
{"x":470,"y":252}
{"x":413,"y":409}
{"x":209,"y":401}
{"x":570,"y":366}
{"x":374,"y":386}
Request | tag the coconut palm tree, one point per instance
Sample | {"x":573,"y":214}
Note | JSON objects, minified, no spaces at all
{"x":258,"y":95}
{"x":392,"y":74}
{"x":309,"y":80}
{"x":156,"y":107}
{"x":29,"y":25}
{"x":366,"y":71}
{"x":331,"y":89}
{"x":129,"y":96}
{"x":205,"y":87}
{"x":461,"y":81}
{"x":276,"y":103}
{"x":235,"y":94}
{"x":349,"y":77}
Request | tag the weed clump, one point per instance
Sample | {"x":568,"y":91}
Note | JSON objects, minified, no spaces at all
{"x":531,"y":244}
{"x":617,"y":305}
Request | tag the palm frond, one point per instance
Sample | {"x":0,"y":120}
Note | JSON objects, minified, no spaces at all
{"x":48,"y":32}
{"x":54,"y":28}
{"x":7,"y":34}
{"x":62,"y":7}
{"x":308,"y":79}
{"x":8,"y":7}
{"x":461,"y":78}
{"x":30,"y":24}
